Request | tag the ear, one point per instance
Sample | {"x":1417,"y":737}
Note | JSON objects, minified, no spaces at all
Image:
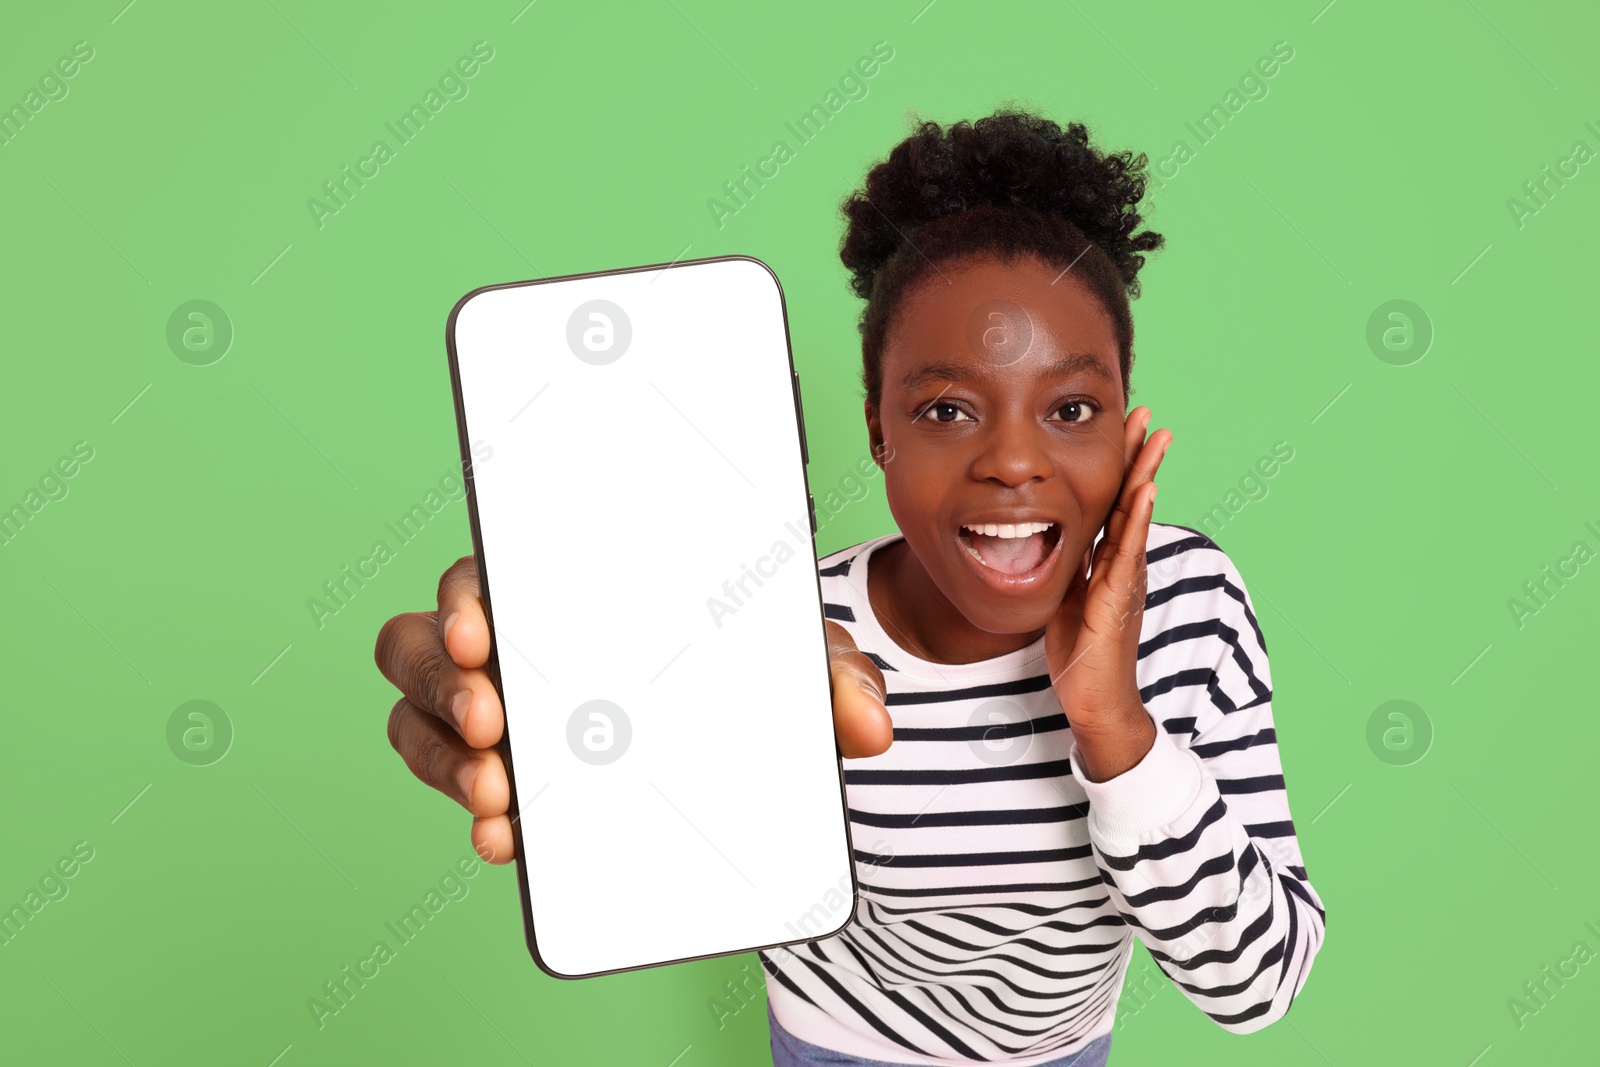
{"x":875,"y":434}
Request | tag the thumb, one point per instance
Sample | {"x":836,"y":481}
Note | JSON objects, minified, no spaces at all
{"x":861,"y":722}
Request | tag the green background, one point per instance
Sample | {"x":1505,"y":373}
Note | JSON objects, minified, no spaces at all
{"x":220,"y":498}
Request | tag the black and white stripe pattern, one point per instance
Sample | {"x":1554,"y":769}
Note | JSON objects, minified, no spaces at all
{"x":1000,"y":890}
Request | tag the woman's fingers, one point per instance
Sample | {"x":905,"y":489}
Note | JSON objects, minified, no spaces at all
{"x":1148,"y":452}
{"x":450,"y":717}
{"x":1150,"y":457}
{"x":1147,"y":449}
{"x":411,"y":656}
{"x":492,"y":839}
{"x":436,"y":754}
{"x":861,"y":722}
{"x":1147,"y":455}
{"x":463,"y":630}
{"x":1134,"y":428}
{"x":1120,"y":573}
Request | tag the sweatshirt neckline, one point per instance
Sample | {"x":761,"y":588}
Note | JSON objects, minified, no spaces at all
{"x":1020,"y":663}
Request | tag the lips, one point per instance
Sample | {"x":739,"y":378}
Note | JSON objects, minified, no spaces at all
{"x":1012,"y":554}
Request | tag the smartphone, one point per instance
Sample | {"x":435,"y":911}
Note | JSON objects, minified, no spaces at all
{"x":644,"y":537}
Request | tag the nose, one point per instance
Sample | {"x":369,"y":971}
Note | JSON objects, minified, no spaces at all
{"x":1013,"y":451}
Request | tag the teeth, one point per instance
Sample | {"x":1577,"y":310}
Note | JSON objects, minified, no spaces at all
{"x":1021,"y":529}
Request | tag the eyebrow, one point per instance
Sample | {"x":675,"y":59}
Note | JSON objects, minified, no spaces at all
{"x":1061,"y":367}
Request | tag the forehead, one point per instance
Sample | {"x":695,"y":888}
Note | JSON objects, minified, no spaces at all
{"x":986,"y":316}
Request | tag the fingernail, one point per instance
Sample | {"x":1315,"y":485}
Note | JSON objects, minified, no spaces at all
{"x":459,"y":706}
{"x":465,"y":777}
{"x":444,"y":631}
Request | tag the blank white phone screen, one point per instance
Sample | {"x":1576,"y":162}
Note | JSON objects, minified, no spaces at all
{"x":648,"y":553}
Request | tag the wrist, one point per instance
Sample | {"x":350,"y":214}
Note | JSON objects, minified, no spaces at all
{"x":1104,"y":752}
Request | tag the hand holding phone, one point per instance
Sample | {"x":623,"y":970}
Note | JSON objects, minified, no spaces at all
{"x":433,"y":657}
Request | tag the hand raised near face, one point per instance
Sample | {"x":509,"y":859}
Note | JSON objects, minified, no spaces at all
{"x":1092,"y":642}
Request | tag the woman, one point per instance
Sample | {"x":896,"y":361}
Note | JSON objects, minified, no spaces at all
{"x":1056,"y":712}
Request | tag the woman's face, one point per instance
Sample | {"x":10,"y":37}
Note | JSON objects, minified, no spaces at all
{"x":1002,"y":402}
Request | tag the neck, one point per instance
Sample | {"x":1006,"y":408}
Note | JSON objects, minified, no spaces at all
{"x":922,"y":620}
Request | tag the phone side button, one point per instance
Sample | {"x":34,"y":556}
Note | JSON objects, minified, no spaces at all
{"x":800,"y":417}
{"x":811,"y":501}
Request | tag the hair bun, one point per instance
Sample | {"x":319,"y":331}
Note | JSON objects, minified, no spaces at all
{"x":1011,"y":158}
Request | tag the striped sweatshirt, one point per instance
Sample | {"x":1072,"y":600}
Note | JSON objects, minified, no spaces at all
{"x":1000,"y":889}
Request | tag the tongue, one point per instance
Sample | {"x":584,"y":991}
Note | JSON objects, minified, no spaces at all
{"x":1009,"y":555}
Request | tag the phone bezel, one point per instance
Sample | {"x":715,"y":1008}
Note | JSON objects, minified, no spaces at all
{"x":492,"y":665}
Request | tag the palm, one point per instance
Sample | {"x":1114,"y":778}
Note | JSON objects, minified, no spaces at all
{"x":1092,"y":641}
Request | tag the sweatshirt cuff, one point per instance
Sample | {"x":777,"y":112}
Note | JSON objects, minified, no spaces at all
{"x":1145,"y":798}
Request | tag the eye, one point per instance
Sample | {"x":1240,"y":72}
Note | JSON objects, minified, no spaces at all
{"x":1085,"y":408}
{"x":942,"y":406}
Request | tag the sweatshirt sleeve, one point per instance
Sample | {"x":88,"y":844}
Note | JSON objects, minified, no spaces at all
{"x":1195,"y":842}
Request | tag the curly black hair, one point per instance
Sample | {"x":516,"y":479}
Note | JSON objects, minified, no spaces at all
{"x":1008,"y":184}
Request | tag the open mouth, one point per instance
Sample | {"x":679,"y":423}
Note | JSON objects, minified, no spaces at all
{"x":1011,"y":555}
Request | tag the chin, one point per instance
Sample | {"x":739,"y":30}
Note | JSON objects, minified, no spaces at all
{"x":1007,"y":619}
